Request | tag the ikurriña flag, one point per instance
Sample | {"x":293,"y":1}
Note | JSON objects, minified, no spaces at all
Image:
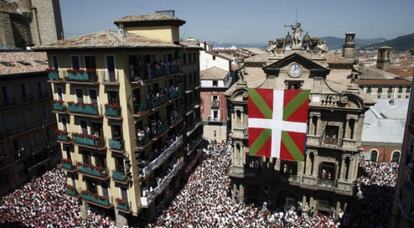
{"x":278,"y":123}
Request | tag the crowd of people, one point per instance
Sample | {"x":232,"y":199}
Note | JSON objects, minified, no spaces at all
{"x":204,"y":202}
{"x":43,"y":203}
{"x":375,"y":195}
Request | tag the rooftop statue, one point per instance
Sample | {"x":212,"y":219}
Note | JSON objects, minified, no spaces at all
{"x":296,"y":33}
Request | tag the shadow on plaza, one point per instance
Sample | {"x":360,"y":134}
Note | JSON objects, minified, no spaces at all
{"x":373,"y":210}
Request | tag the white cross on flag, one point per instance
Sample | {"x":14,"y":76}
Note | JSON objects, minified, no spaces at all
{"x":278,"y":123}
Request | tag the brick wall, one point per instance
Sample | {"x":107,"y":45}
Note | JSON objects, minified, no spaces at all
{"x":384,"y":152}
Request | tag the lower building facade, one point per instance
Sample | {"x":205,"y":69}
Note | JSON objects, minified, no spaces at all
{"x":27,"y":127}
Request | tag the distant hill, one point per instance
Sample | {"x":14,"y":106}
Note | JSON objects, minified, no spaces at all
{"x":336,"y":43}
{"x":401,"y":43}
{"x":240,"y":45}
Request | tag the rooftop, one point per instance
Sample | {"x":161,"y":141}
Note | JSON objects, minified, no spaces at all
{"x":213,"y":73}
{"x":385,"y":122}
{"x":155,"y":17}
{"x":22,"y":62}
{"x":107,"y":39}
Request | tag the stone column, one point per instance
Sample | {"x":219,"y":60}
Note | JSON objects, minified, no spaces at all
{"x":300,"y":168}
{"x":347,"y":128}
{"x":343,"y":168}
{"x":317,"y":126}
{"x":120,"y":219}
{"x":84,"y":209}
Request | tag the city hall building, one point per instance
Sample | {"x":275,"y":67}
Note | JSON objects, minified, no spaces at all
{"x":128,"y":111}
{"x":325,"y":180}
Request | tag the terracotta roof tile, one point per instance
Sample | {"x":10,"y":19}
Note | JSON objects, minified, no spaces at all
{"x":106,"y":39}
{"x":22,"y":62}
{"x":213,"y":73}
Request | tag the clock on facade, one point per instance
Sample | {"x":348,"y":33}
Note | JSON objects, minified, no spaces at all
{"x":295,"y":70}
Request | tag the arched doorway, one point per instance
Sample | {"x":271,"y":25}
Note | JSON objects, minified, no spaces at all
{"x":374,"y":155}
{"x":396,"y":155}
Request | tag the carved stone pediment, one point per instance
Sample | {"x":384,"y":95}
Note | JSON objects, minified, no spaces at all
{"x":313,"y":67}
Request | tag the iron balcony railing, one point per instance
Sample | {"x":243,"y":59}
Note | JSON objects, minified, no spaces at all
{"x":147,"y":170}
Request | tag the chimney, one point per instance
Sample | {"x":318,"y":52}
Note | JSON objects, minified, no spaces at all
{"x":384,"y":58}
{"x":348,"y":49}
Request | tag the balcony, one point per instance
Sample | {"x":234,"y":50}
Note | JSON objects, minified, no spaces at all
{"x":191,"y":129}
{"x":119,"y":176}
{"x":62,"y":136}
{"x":193,"y":145}
{"x":113,"y":111}
{"x":147,"y":170}
{"x":53,"y":75}
{"x":90,"y":110}
{"x":147,"y":200}
{"x":27,"y":98}
{"x":82,"y":77}
{"x":11,"y":101}
{"x":43,"y":95}
{"x":156,"y":71}
{"x":116,"y":144}
{"x":96,"y":199}
{"x":235,"y":171}
{"x":175,"y":118}
{"x":89,"y":141}
{"x":67,"y":165}
{"x":71,"y":191}
{"x":123,"y":205}
{"x":215,"y":104}
{"x":93,"y":171}
{"x":326,"y":184}
{"x":59,"y":106}
{"x":110,"y":78}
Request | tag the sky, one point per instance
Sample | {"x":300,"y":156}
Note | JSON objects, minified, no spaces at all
{"x":253,"y":21}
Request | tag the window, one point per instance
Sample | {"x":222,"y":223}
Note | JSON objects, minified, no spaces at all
{"x":184,"y":58}
{"x":84,"y":127}
{"x":79,"y":95}
{"x":24,"y":90}
{"x":90,"y":63}
{"x":59,"y":93}
{"x":379,"y":89}
{"x":215,"y":83}
{"x":389,"y":89}
{"x":400,"y":89}
{"x":91,"y":187}
{"x":396,"y":156}
{"x":110,"y":63}
{"x":39,"y":87}
{"x":6,"y":92}
{"x":55,"y":63}
{"x":93,"y":97}
{"x":75,"y":62}
{"x":215,"y":115}
{"x":351,"y":128}
{"x":369,"y":89}
{"x":374,"y":155}
{"x":195,"y":57}
{"x":124,"y":194}
{"x":408,"y":89}
{"x":214,"y":57}
{"x":294,"y":84}
{"x":331,"y":135}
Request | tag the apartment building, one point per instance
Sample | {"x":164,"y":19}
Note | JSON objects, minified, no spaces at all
{"x":27,"y":127}
{"x":127,"y":105}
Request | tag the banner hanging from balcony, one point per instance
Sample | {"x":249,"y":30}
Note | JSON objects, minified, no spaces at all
{"x":277,"y":123}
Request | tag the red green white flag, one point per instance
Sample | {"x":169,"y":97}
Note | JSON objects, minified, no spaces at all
{"x":278,"y":123}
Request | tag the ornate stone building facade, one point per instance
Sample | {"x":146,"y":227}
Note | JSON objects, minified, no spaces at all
{"x":325,"y":180}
